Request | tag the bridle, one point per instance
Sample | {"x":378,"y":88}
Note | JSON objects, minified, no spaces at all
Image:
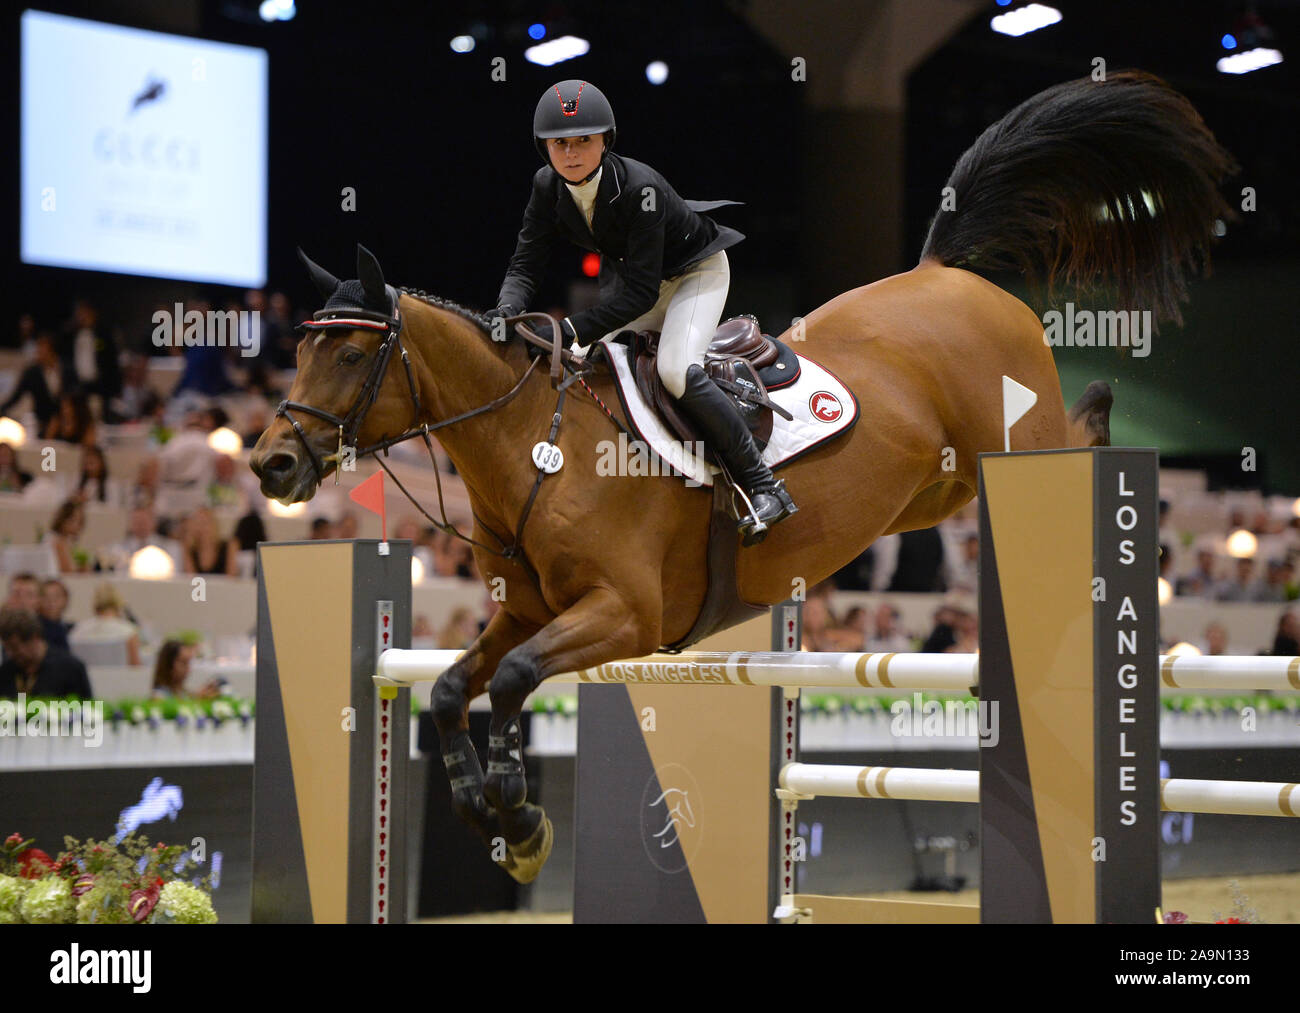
{"x":349,"y":425}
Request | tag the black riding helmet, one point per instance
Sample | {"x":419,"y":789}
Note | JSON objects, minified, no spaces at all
{"x":569,"y":109}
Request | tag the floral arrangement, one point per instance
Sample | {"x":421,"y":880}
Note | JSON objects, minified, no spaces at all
{"x":98,"y":882}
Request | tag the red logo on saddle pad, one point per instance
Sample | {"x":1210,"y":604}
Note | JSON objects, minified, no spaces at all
{"x":825,"y":406}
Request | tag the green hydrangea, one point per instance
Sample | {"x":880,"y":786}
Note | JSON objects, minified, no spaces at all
{"x":49,"y":902}
{"x":103,"y":904}
{"x":12,"y":891}
{"x":184,"y":904}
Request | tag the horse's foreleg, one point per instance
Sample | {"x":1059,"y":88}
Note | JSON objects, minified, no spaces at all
{"x":452,"y":693}
{"x":601,"y":626}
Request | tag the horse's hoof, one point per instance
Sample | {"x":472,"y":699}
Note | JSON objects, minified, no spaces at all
{"x":525,"y":860}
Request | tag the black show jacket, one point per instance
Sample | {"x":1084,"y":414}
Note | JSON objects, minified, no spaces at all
{"x":639,"y":248}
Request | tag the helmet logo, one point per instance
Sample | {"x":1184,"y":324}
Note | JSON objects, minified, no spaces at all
{"x":570,"y":106}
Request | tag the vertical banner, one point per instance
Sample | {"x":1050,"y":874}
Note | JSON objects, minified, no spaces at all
{"x":1127,"y":635}
{"x":1068,"y":662}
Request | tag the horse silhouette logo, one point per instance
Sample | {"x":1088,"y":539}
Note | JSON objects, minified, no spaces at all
{"x":158,"y":801}
{"x":672,"y":817}
{"x":677,"y":804}
{"x":153,"y":90}
{"x":825,"y":406}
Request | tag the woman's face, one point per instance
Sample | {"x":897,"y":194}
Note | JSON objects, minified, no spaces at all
{"x":93,"y":464}
{"x":73,"y":525}
{"x":181,"y":666}
{"x":576,"y":158}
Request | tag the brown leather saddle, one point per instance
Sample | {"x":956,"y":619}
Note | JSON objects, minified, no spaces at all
{"x":737,"y":359}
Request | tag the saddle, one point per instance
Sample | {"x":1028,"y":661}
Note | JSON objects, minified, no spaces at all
{"x":743,"y":361}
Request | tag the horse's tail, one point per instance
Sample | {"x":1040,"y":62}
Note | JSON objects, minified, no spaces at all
{"x":1090,"y":182}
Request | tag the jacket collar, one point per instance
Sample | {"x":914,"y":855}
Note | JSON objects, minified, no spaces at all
{"x":611,"y":185}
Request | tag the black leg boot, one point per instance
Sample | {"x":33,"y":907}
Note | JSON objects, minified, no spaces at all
{"x":726,"y":434}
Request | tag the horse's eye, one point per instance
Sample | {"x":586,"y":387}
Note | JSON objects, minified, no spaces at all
{"x":352,"y":357}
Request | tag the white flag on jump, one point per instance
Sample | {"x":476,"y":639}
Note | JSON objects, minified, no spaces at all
{"x":1016,"y":400}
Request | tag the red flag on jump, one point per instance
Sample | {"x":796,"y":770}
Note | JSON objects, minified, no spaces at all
{"x":370,"y":494}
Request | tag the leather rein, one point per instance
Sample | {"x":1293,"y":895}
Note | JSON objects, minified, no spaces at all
{"x":349,"y":425}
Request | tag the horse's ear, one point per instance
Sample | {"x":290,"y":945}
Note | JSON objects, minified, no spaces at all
{"x":372,"y":279}
{"x":325,"y":282}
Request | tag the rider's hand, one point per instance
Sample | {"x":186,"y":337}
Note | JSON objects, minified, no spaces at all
{"x":503,"y":311}
{"x":580,"y":351}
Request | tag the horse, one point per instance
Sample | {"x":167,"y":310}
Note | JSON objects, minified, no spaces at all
{"x":1085,"y":184}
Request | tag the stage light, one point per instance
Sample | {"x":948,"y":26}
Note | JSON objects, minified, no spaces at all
{"x":1229,"y":42}
{"x":276,"y":10}
{"x":656,"y":72}
{"x":1024,"y":20}
{"x":1244,"y":63}
{"x":566,"y":47}
{"x":537,"y":31}
{"x":462,"y":44}
{"x":1242,"y":544}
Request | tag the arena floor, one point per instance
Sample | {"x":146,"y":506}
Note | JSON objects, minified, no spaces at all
{"x":1269,"y":899}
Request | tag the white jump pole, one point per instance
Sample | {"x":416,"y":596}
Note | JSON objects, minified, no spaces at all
{"x":1229,"y":798}
{"x":805,"y":670}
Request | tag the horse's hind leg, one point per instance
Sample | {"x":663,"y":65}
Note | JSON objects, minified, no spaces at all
{"x":466,"y":679}
{"x":601,"y":627}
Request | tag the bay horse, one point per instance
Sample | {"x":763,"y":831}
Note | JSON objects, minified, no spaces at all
{"x":1084,"y":184}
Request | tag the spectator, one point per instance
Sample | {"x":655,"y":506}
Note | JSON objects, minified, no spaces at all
{"x":12,"y":478}
{"x":50,"y":610}
{"x":91,"y":354}
{"x":205,"y":366}
{"x":43,"y":381}
{"x":281,"y":342}
{"x":423,"y":636}
{"x":224,"y":490}
{"x":171,"y":669}
{"x":461,"y":630}
{"x":24,"y":592}
{"x":1216,"y":639}
{"x":33,"y":666}
{"x":1200,"y":582}
{"x":142,"y":530}
{"x":185,"y":466}
{"x":1276,"y":585}
{"x":321,"y":529}
{"x":920,"y":562}
{"x":249,"y":531}
{"x":1287,"y":642}
{"x":205,"y":550}
{"x":944,"y":635}
{"x":26,"y":333}
{"x":1240,"y":588}
{"x":110,"y":624}
{"x":135,"y":397}
{"x":73,"y":422}
{"x":888,"y":637}
{"x":347,"y":526}
{"x":964,"y":573}
{"x":65,"y":529}
{"x":146,"y":489}
{"x":95,"y":485}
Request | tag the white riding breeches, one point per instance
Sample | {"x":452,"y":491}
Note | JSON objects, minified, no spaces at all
{"x":686,"y":317}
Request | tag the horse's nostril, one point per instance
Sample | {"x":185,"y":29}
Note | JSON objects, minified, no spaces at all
{"x":278,"y":465}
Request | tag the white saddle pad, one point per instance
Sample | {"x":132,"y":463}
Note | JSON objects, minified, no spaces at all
{"x":822,"y":406}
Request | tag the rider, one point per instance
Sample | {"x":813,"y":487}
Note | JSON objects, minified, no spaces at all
{"x":663,"y":267}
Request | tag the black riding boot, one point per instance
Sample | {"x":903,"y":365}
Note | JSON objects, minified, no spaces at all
{"x":726,"y":434}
